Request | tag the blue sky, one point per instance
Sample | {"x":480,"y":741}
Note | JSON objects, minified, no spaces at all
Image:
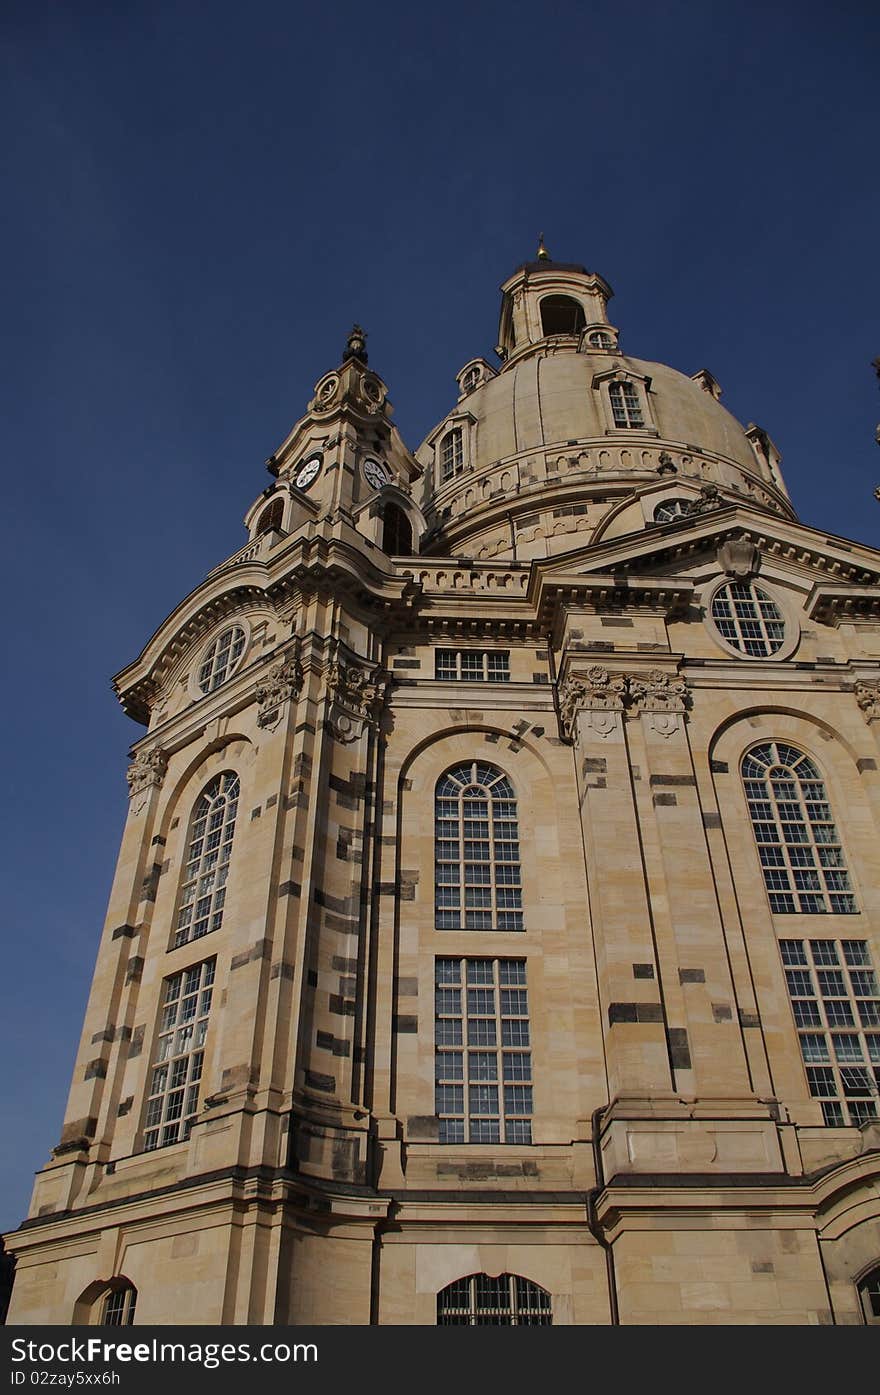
{"x":201,"y":199}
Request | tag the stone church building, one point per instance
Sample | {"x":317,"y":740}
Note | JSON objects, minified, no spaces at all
{"x":495,"y":937}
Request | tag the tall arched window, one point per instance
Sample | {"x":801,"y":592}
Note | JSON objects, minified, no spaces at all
{"x":560,"y":314}
{"x":798,"y":843}
{"x":478,"y":885}
{"x":483,"y":1301}
{"x":203,"y":889}
{"x":626,"y":406}
{"x":397,"y":538}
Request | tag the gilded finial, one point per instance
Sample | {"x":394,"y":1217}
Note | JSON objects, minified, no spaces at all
{"x":543,"y":254}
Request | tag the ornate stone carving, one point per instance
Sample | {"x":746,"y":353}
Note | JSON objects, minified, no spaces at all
{"x":283,"y":681}
{"x":739,"y":558}
{"x":146,"y":771}
{"x":596,"y":692}
{"x":662,"y":698}
{"x":659,"y":692}
{"x":868,"y":698}
{"x":357,"y":696}
{"x":710,"y":498}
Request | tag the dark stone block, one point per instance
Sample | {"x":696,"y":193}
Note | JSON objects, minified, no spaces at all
{"x":404,"y":1024}
{"x":672,"y":780}
{"x":126,"y":932}
{"x":344,"y":966}
{"x":95,"y":1070}
{"x":865,"y":763}
{"x":719,"y":767}
{"x":664,"y":799}
{"x":749,"y":1019}
{"x":635,"y":1012}
{"x":711,"y":820}
{"x":679,"y":1049}
{"x":595,"y":764}
{"x":134,"y":969}
{"x":282,"y":970}
{"x":312,"y":978}
{"x":643,"y":970}
{"x":290,"y":889}
{"x":692,"y":976}
{"x":136,"y":1045}
{"x":722,"y":1012}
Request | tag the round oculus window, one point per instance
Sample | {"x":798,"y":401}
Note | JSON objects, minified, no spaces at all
{"x":748,"y":619}
{"x":221,"y":658}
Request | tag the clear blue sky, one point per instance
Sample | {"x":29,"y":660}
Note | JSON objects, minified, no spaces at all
{"x":201,"y":198}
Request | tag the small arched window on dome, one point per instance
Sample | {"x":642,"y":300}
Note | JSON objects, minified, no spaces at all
{"x":397,"y":539}
{"x":471,"y":379}
{"x":600,"y":339}
{"x":669,"y":509}
{"x":451,"y":454}
{"x":118,"y":1304}
{"x":483,"y":1300}
{"x":626,"y":405}
{"x":560,"y":314}
{"x":271,"y":517}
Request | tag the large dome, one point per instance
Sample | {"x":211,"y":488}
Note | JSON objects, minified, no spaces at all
{"x":568,"y":411}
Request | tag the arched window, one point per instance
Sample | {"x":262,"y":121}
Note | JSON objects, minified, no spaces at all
{"x":483,"y":1301}
{"x":203,"y":887}
{"x":869,"y":1293}
{"x":600,"y":340}
{"x":798,"y":842}
{"x":451,"y":454}
{"x":271,"y":517}
{"x":478,"y":885}
{"x":397,"y":538}
{"x":118,"y":1305}
{"x":626,"y":406}
{"x":672,"y":508}
{"x":562,"y":315}
{"x":748,"y":619}
{"x":221,"y":658}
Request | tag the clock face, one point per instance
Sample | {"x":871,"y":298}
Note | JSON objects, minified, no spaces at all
{"x":375,"y":473}
{"x":307,"y":472}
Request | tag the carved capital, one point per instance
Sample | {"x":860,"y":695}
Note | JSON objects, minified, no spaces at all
{"x":868,"y":698}
{"x":146,"y":771}
{"x":357,"y":697}
{"x":597,"y":690}
{"x":659,"y":692}
{"x":283,"y":681}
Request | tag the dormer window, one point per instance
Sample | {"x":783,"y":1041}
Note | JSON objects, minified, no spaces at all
{"x":626,"y":405}
{"x":470,"y":379}
{"x":451,"y":454}
{"x":560,"y":314}
{"x":599,"y":339}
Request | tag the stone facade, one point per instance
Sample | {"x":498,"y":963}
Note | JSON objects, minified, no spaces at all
{"x":608,"y":620}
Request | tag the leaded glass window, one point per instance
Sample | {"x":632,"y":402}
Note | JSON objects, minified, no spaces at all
{"x":220,"y":658}
{"x":119,"y":1306}
{"x":482,"y":1060}
{"x":482,"y":1300}
{"x":451,"y":454}
{"x":798,"y":843}
{"x":842,"y":1063}
{"x":748,"y":619}
{"x":672,"y":508}
{"x":203,"y":888}
{"x":478,"y":884}
{"x":626,"y":406}
{"x":176,"y":1072}
{"x":473,"y":665}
